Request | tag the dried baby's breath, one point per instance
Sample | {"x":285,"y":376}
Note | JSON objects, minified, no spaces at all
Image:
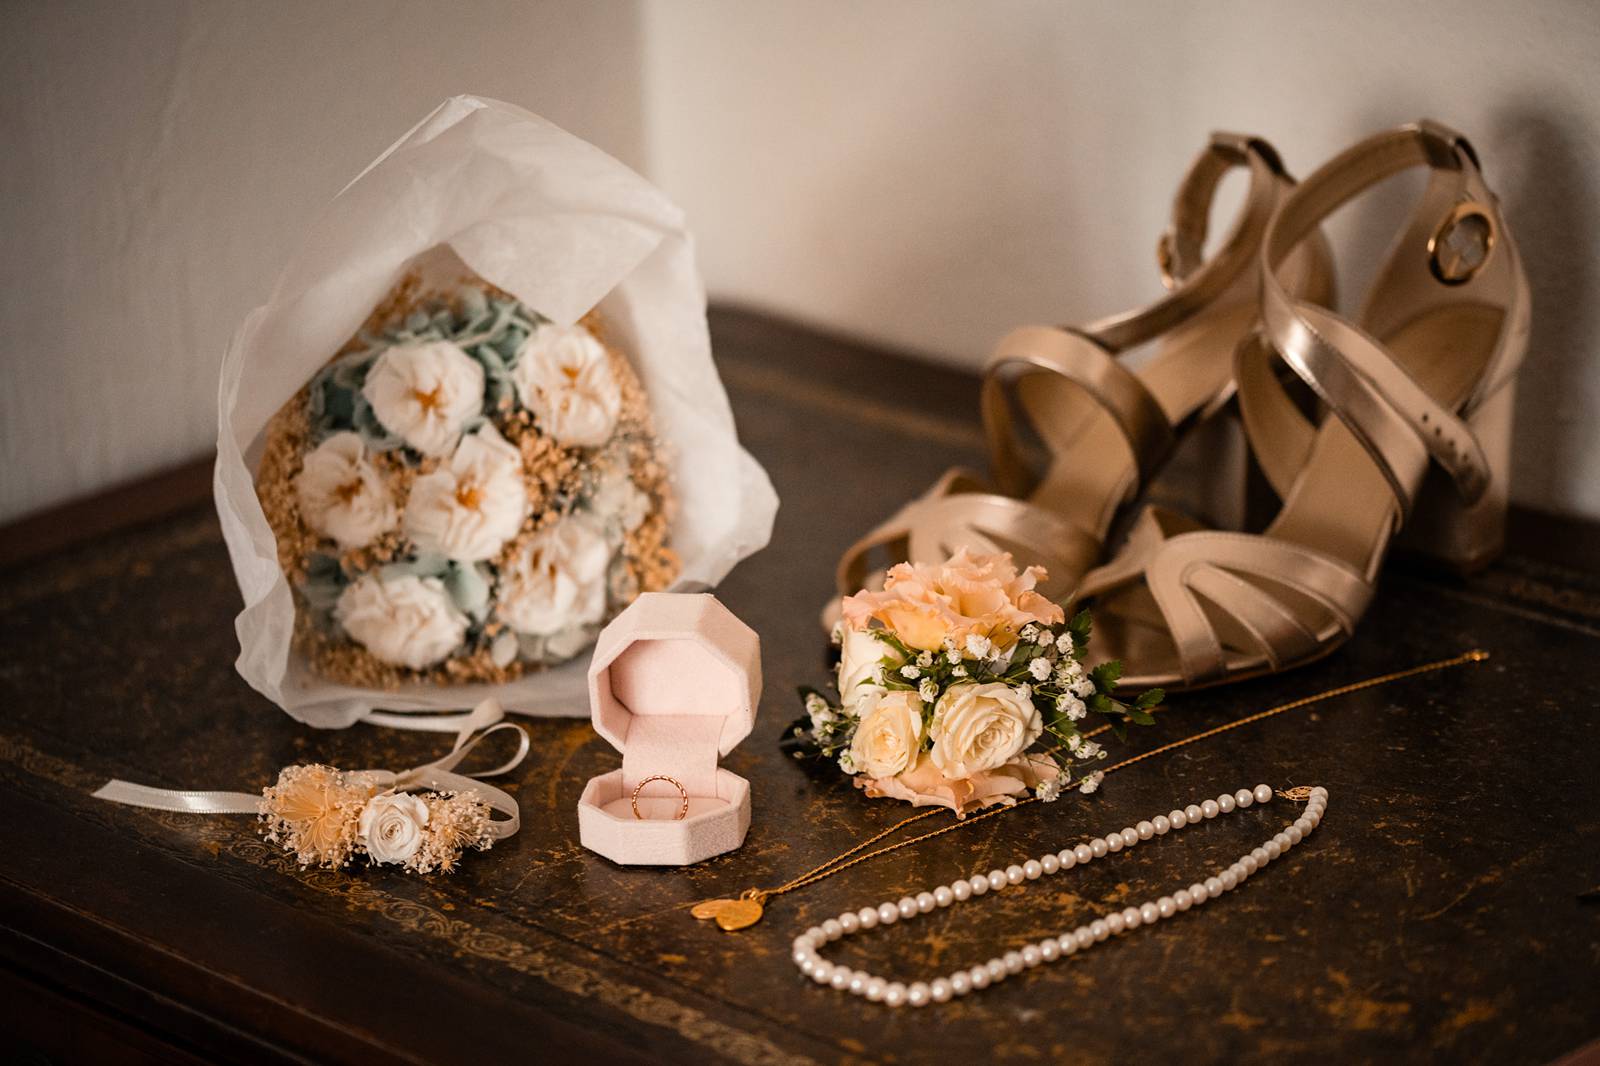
{"x":313,"y":812}
{"x":456,"y":821}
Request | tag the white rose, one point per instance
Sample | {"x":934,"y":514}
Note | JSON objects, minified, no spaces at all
{"x":426,"y":393}
{"x":559,"y":582}
{"x":468,"y":509}
{"x":861,"y":656}
{"x":979,"y":727}
{"x":563,"y":375}
{"x":889,"y":736}
{"x":342,"y":495}
{"x":409,"y":621}
{"x":391,"y":826}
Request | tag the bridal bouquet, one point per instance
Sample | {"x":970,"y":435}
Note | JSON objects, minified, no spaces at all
{"x":960,"y":685}
{"x":465,"y":492}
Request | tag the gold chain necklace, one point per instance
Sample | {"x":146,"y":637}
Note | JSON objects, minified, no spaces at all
{"x":746,"y":909}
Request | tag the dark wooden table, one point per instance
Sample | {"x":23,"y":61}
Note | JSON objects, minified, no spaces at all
{"x":1435,"y":915}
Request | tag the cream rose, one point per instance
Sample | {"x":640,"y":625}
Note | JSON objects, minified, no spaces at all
{"x":563,"y":375}
{"x":467,"y":509}
{"x":559,"y":582}
{"x":391,"y":826}
{"x":861,"y":656}
{"x":342,"y":495}
{"x":409,"y":621}
{"x":889,"y":736}
{"x":425,"y":393}
{"x":979,"y":727}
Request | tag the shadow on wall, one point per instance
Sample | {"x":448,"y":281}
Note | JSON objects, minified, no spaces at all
{"x":1549,"y":198}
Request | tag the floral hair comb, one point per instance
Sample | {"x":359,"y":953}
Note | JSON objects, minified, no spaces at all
{"x":421,"y":819}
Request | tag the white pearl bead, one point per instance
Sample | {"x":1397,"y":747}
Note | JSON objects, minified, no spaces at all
{"x":1263,"y":793}
{"x":1273,"y":849}
{"x":1199,"y":892}
{"x":1165,"y":907}
{"x":895,"y":995}
{"x":841,"y":977}
{"x":939,"y":990}
{"x":1031,"y":956}
{"x":1083,"y":852}
{"x":850,"y":922}
{"x":979,"y":883}
{"x":907,"y":907}
{"x":925,"y":902}
{"x":1113,"y":843}
{"x":1145,"y":829}
{"x":962,"y":890}
{"x":888,"y":913}
{"x":1295,"y":833}
{"x":979,"y":976}
{"x":1314,"y":817}
{"x":997,"y":879}
{"x":918,"y":994}
{"x":1049,"y":863}
{"x":996,"y":968}
{"x":1240,"y":872}
{"x":1209,"y":808}
{"x":1083,"y":936}
{"x":1225,"y":803}
{"x":960,"y":983}
{"x":801,"y":958}
{"x":1132,"y":918}
{"x":943,"y":896}
{"x":1013,"y":961}
{"x":1261,"y":855}
{"x":817,"y":935}
{"x":1014,"y":874}
{"x":1099,"y":928}
{"x":1149,"y":913}
{"x":1244,"y":797}
{"x":1130,"y":837}
{"x":1214,"y":887}
{"x":832,"y":929}
{"x":1068,"y":857}
{"x":1193,"y":812}
{"x":1178,"y":819}
{"x":1031,"y":869}
{"x":858,"y":983}
{"x":1098,"y":847}
{"x":875,"y":989}
{"x":822,"y":972}
{"x":1068,"y":942}
{"x":868,"y":916}
{"x":1050,"y":950}
{"x":1161,"y":823}
{"x":1250,"y":864}
{"x":1115,"y":922}
{"x":808,"y":964}
{"x":1282,"y":838}
{"x":1229,"y":879}
{"x":1183,"y":899}
{"x":1320,"y":791}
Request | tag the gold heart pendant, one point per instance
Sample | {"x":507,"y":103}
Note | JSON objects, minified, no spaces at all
{"x":731,"y":915}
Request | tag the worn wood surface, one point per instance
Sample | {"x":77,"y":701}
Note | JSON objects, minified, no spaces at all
{"x":1434,"y":915}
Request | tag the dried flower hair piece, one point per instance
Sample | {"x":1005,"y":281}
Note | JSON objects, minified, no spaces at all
{"x":422,"y":819}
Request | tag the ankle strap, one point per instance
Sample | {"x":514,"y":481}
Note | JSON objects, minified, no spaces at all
{"x":1400,"y":425}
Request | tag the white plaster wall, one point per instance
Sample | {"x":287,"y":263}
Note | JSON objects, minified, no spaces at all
{"x":924,"y":173}
{"x":158,"y":158}
{"x":931,"y":173}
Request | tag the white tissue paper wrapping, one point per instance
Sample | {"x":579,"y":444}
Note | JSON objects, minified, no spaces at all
{"x":563,"y":227}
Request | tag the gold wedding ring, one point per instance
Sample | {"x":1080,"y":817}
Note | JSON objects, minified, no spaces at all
{"x":683,"y":810}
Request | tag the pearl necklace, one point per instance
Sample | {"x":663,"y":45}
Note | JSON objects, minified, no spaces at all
{"x":941,"y":989}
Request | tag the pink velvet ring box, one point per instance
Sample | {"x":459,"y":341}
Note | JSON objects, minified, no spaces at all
{"x":674,"y":686}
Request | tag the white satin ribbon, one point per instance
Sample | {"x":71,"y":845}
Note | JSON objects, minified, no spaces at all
{"x":440,"y":775}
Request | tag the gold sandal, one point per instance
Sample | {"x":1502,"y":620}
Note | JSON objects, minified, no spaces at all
{"x":1107,"y":428}
{"x":1424,"y":385}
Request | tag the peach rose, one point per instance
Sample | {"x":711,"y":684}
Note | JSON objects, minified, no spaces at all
{"x":971,"y":595}
{"x":925,"y":786}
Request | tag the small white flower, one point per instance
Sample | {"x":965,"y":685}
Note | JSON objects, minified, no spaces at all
{"x":954,"y":655}
{"x":1083,"y":688}
{"x":925,"y":660}
{"x":391,"y":826}
{"x":1090,"y":783}
{"x":958,"y":671}
{"x":847,"y":762}
{"x":1072,"y":707}
{"x":1069,"y":671}
{"x":910,"y":672}
{"x":1064,"y":644}
{"x":342,"y":496}
{"x":409,"y":621}
{"x":836,"y":636}
{"x":978,"y":646}
{"x":467,"y":509}
{"x":815,"y":704}
{"x":1048,"y":791}
{"x":928,"y":690}
{"x":425,"y":393}
{"x":1029,"y":633}
{"x":563,"y":375}
{"x":558,"y":583}
{"x":1025,"y":691}
{"x":1039,"y":668}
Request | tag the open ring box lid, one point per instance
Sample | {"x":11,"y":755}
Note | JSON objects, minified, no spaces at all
{"x":673,"y":685}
